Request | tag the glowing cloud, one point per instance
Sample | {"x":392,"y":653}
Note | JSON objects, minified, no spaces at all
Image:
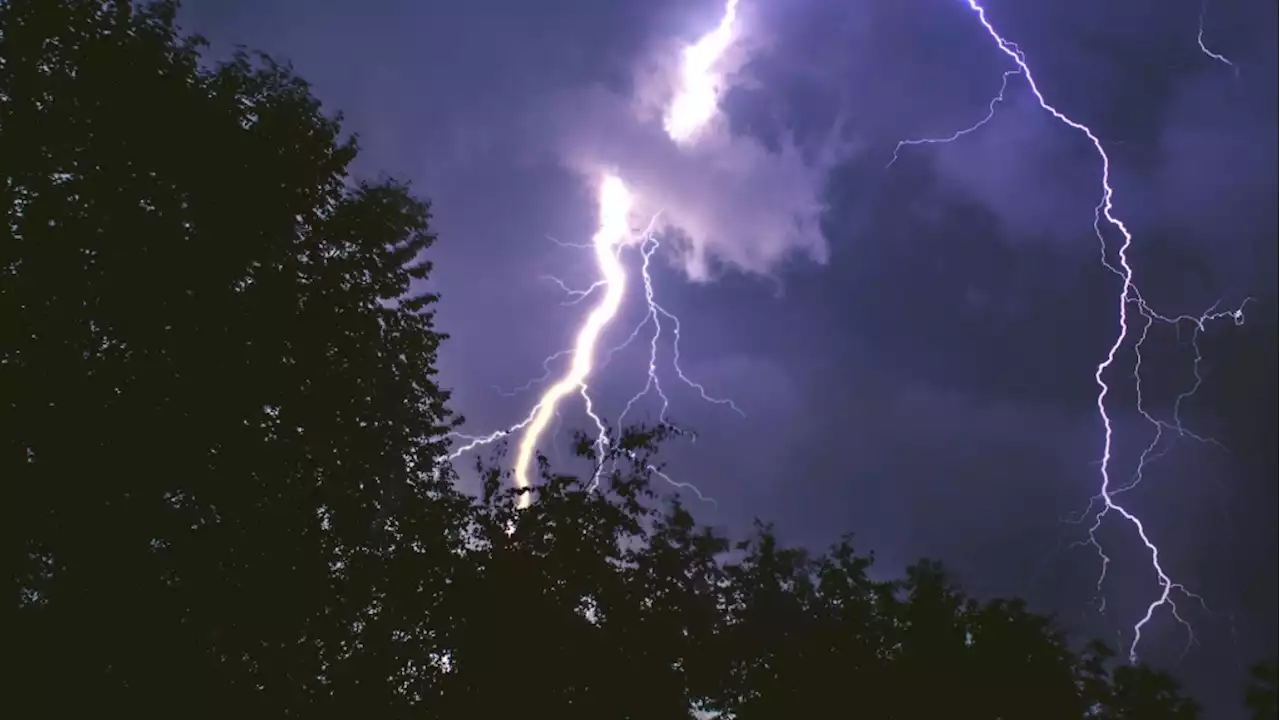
{"x":698,"y":94}
{"x":735,"y":201}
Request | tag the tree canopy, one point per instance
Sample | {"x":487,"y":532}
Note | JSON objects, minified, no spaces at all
{"x":224,"y":458}
{"x":218,"y":395}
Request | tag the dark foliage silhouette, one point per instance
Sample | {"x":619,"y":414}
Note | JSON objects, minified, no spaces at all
{"x":1260,"y":694}
{"x":223,"y":459}
{"x":217,"y":400}
{"x":615,"y":604}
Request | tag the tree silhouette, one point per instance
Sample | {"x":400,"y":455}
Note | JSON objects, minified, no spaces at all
{"x":219,"y":416}
{"x":1260,"y":693}
{"x":679,"y":618}
{"x":224,"y":459}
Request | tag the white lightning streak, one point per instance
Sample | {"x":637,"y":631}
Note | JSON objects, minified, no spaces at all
{"x":1204,"y":7}
{"x":1105,"y":502}
{"x":1129,"y":295}
{"x":615,"y":229}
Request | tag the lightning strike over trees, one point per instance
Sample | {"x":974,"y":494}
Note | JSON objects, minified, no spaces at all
{"x":225,"y":482}
{"x":615,"y":229}
{"x":219,"y":475}
{"x":693,"y":105}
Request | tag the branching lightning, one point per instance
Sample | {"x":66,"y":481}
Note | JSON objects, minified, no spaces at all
{"x":1129,"y":303}
{"x":694,"y":104}
{"x":615,"y":230}
{"x":1174,"y":424}
{"x":991,"y":112}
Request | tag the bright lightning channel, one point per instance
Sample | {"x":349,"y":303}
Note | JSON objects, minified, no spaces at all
{"x":1129,"y":296}
{"x":694,"y":104}
{"x":615,"y":229}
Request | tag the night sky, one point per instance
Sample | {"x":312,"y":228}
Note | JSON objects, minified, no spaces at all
{"x":913,"y":344}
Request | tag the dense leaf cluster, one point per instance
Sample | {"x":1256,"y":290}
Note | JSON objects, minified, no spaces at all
{"x":222,"y":457}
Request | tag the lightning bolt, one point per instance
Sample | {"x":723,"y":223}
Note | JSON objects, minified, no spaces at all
{"x":694,"y":104}
{"x":1204,"y":8}
{"x":656,"y":313}
{"x":1129,"y":298}
{"x":615,"y":230}
{"x":1129,"y":302}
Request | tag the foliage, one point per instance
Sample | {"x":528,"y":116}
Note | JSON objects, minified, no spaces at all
{"x":218,"y":400}
{"x":1260,"y":693}
{"x":609,"y":604}
{"x":223,"y":454}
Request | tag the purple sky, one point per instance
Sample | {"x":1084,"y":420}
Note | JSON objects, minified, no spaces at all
{"x":913,"y":346}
